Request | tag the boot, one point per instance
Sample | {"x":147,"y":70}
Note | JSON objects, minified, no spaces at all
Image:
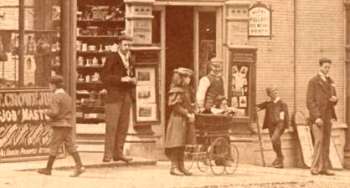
{"x":79,"y":168}
{"x":173,"y":168}
{"x":278,"y":163}
{"x":47,"y":170}
{"x":182,"y":168}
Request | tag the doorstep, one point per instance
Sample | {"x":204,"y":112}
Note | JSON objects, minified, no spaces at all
{"x":89,"y":159}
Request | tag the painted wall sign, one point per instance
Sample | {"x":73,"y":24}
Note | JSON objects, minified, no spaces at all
{"x":23,"y":123}
{"x":260,"y":20}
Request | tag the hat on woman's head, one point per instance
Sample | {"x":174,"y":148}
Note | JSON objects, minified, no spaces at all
{"x":184,"y":71}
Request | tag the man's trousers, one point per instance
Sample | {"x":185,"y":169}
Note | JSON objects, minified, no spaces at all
{"x":117,"y":124}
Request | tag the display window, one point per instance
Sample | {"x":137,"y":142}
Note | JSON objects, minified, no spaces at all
{"x":29,"y":42}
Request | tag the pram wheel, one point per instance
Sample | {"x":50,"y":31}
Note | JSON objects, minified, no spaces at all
{"x":232,"y":160}
{"x":218,"y":153}
{"x":203,"y":162}
{"x":189,"y":156}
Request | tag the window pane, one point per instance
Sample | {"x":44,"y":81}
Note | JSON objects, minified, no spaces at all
{"x":41,"y":42}
{"x":9,"y":42}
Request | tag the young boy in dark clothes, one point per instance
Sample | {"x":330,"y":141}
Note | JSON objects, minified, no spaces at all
{"x":276,"y":121}
{"x":61,"y":117}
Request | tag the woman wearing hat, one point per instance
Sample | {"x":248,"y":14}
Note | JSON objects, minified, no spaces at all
{"x":180,"y":128}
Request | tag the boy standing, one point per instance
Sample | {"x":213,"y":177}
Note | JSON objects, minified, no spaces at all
{"x":61,"y":120}
{"x":276,"y":121}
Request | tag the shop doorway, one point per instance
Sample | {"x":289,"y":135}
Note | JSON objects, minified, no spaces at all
{"x":179,"y":41}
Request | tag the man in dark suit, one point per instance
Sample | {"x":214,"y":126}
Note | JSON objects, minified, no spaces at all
{"x":276,"y":121}
{"x":119,"y":80}
{"x":320,"y":101}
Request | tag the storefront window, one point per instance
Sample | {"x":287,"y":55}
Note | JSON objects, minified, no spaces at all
{"x":207,"y":39}
{"x":29,"y":42}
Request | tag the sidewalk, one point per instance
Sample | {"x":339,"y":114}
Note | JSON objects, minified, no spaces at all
{"x":90,"y":160}
{"x":150,"y":174}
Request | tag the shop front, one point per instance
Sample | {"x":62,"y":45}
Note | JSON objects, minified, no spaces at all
{"x":259,"y":44}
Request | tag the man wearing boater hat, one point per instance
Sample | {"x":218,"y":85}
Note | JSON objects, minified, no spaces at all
{"x":210,"y":86}
{"x":119,"y":80}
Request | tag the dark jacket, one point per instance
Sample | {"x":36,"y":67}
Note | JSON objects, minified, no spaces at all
{"x":272,"y":113}
{"x":112,"y":73}
{"x":317,"y":99}
{"x":61,"y":110}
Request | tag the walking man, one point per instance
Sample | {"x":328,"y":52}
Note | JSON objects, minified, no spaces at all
{"x":119,"y":80}
{"x":320,"y":101}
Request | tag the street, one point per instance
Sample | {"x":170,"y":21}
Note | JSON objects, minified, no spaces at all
{"x":158,"y":177}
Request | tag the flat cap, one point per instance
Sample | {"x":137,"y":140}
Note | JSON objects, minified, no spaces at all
{"x":56,"y":80}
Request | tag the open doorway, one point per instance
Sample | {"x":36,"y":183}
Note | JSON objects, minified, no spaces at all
{"x":179,"y":41}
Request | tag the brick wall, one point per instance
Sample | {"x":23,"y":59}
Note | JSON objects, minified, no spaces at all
{"x":320,"y":33}
{"x":275,"y":55}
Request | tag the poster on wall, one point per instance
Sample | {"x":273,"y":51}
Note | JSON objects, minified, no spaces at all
{"x":146,"y":106}
{"x":23,"y":124}
{"x":260,"y":16}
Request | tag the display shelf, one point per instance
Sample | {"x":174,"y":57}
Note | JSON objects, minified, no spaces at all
{"x":99,"y":24}
{"x":92,"y":53}
{"x":90,"y":68}
{"x":89,"y":120}
{"x":90,"y":109}
{"x":98,"y":37}
{"x":90,"y":85}
{"x":108,"y":23}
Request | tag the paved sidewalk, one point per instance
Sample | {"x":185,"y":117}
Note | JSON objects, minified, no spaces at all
{"x":149,"y":174}
{"x":90,"y":160}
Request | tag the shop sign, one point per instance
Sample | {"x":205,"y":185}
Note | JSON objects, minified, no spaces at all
{"x":260,"y":20}
{"x":23,"y":123}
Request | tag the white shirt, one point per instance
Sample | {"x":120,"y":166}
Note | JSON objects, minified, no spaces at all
{"x":125,"y":60}
{"x":204,"y":84}
{"x":323,"y":76}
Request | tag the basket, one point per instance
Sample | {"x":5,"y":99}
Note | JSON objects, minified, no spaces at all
{"x":210,"y":122}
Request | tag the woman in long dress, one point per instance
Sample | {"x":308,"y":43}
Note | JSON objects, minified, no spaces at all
{"x":180,"y":125}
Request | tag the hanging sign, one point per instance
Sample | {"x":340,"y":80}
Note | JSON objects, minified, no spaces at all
{"x":260,"y":20}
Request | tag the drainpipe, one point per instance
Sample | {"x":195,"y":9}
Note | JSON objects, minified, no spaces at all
{"x":295,"y":55}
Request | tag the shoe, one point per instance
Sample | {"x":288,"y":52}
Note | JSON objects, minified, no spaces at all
{"x":44,"y":171}
{"x":278,"y":165}
{"x":314,"y":173}
{"x":182,"y":169}
{"x":173,"y":170}
{"x":327,"y":173}
{"x":123,"y":158}
{"x":78,"y":171}
{"x":106,"y":160}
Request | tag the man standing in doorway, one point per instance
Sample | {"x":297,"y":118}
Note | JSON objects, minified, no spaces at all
{"x":210,"y":86}
{"x":119,"y":80}
{"x":320,"y":101}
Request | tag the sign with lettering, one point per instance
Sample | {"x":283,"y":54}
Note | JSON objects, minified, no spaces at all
{"x":259,"y":20}
{"x":23,"y":123}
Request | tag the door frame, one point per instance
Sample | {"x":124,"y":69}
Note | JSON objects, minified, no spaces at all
{"x":162,"y":67}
